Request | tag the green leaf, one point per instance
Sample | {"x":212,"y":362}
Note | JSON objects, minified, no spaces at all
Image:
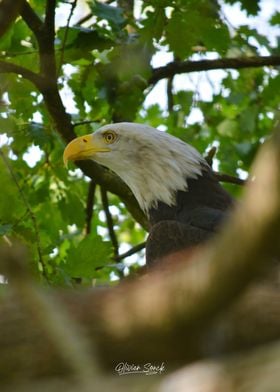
{"x":180,"y":26}
{"x":184,"y":99}
{"x":196,"y":26}
{"x":90,"y":253}
{"x":251,"y":6}
{"x":72,"y":210}
{"x":81,"y":41}
{"x":37,"y":133}
{"x":275,"y":19}
{"x":114,"y":15}
{"x":215,"y":36}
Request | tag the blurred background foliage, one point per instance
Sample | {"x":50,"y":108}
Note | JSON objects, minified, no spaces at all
{"x":105,"y":56}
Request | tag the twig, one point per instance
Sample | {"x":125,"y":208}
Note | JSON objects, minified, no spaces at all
{"x":19,"y":53}
{"x":177,"y":67}
{"x":84,"y":19}
{"x":230,"y":179}
{"x":222,"y":176}
{"x":170,"y":98}
{"x":84,"y":122}
{"x":131,"y":251}
{"x":60,"y":63}
{"x":30,"y":212}
{"x":110,"y":223}
{"x":90,"y":204}
{"x":210,"y":155}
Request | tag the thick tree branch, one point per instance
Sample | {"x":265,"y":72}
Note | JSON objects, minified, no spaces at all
{"x":177,"y":67}
{"x":31,"y":19}
{"x":6,"y":67}
{"x":50,"y":17}
{"x":45,"y":34}
{"x":251,"y":371}
{"x":46,"y":44}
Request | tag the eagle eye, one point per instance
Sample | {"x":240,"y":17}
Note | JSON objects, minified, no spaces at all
{"x":109,"y":137}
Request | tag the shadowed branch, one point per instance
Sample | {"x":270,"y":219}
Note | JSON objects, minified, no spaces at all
{"x":110,"y":222}
{"x":179,"y":67}
{"x":90,"y":205}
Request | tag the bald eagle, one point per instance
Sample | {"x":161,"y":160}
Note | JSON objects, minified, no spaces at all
{"x":172,"y":182}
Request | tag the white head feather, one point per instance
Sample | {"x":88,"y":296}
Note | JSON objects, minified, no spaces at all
{"x":154,"y":164}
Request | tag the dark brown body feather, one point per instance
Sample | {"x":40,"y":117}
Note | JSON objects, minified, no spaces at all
{"x":197,"y":215}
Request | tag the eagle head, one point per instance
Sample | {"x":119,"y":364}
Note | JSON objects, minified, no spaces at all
{"x":154,"y":164}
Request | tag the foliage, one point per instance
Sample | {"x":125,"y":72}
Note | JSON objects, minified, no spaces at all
{"x":105,"y":65}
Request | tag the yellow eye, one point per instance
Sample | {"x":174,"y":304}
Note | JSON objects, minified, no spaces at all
{"x":110,"y":137}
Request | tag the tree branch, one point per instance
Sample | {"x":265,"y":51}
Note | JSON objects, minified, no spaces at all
{"x":45,"y":35}
{"x":229,"y":179}
{"x":90,"y":203}
{"x":251,"y":371}
{"x":50,"y":17}
{"x":210,"y":156}
{"x":177,"y":67}
{"x":6,"y":67}
{"x":110,"y":223}
{"x":31,"y":19}
{"x":170,"y":98}
{"x":130,"y":252}
{"x":222,"y":176}
{"x":46,"y":46}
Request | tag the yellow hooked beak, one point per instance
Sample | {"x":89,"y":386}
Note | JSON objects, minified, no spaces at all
{"x":83,"y":147}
